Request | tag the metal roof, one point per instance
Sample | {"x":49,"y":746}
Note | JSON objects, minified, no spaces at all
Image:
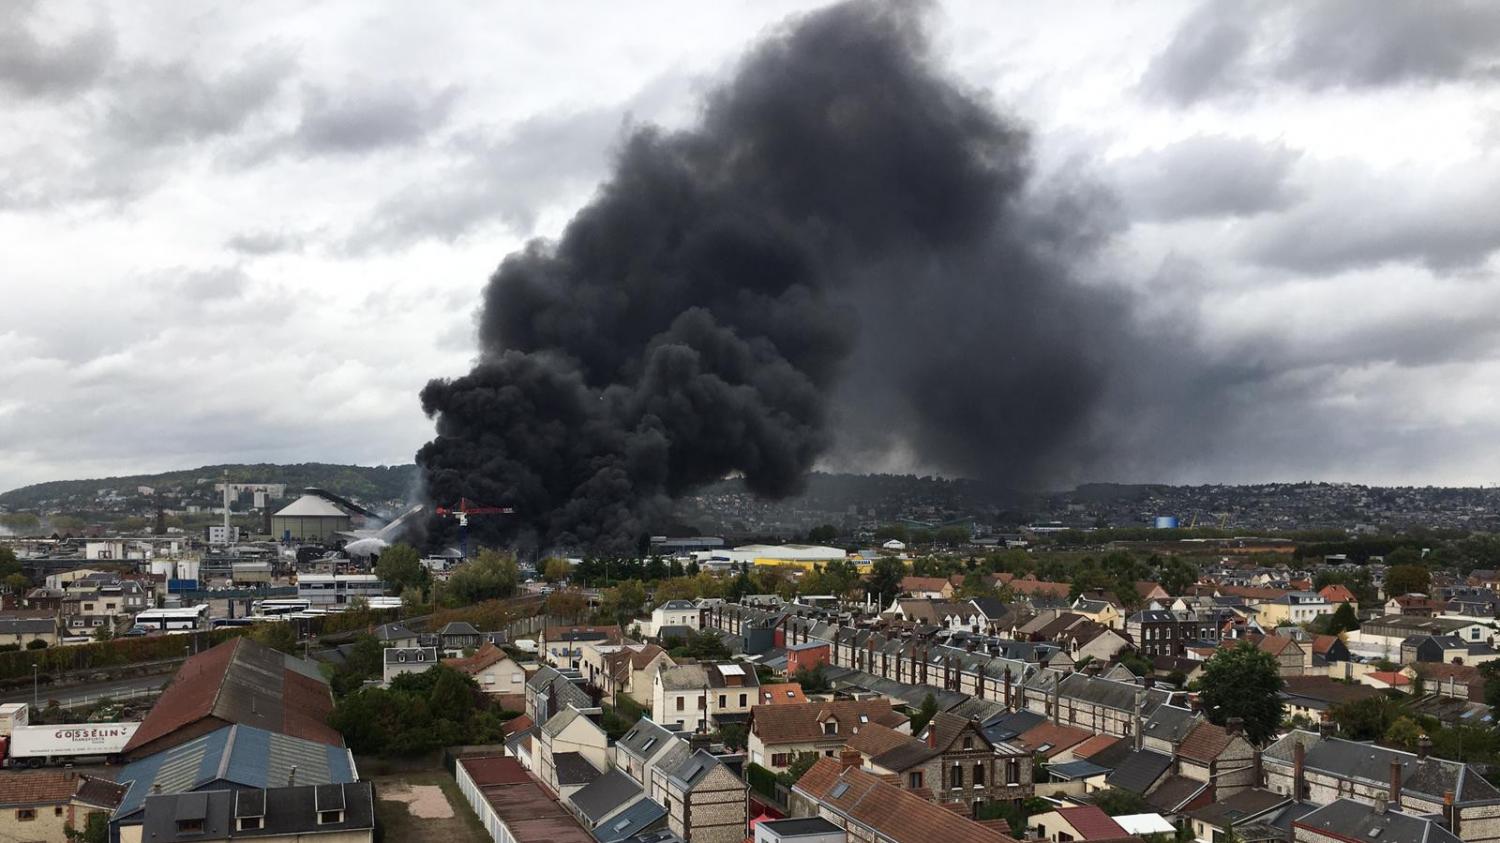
{"x":241,"y":755}
{"x":310,"y":506}
{"x":604,"y":795}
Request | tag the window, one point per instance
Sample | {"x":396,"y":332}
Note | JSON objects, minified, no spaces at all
{"x":330,"y":817}
{"x":723,"y":701}
{"x":831,"y":728}
{"x":1012,"y":771}
{"x":25,"y":814}
{"x":979,"y":774}
{"x":957,"y":779}
{"x":679,"y":704}
{"x":743,"y":700}
{"x":914,"y":780}
{"x":250,"y":823}
{"x":702,"y":702}
{"x":968,"y":743}
{"x":189,"y":826}
{"x":57,"y":811}
{"x":779,"y":759}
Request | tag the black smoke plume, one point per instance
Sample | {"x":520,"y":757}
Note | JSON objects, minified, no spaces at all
{"x":849,"y":253}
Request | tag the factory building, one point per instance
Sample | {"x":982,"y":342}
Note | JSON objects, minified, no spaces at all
{"x":309,"y":518}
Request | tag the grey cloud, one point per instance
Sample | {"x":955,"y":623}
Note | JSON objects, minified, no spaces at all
{"x":508,"y":177}
{"x":1203,"y":56}
{"x":1354,"y":43}
{"x":40,"y":66}
{"x":370,"y":117}
{"x":263,"y":242}
{"x":162,"y":104}
{"x":1332,"y":44}
{"x":1362,"y":219}
{"x":1208,"y":176}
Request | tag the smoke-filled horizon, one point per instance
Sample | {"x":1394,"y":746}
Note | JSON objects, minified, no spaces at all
{"x":847,"y":255}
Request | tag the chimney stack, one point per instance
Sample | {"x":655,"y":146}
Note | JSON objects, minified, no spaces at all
{"x":1450,"y":812}
{"x":1395,"y":789}
{"x":850,"y":759}
{"x":1424,"y":746}
{"x":1299,"y":761}
{"x":1234,"y":725}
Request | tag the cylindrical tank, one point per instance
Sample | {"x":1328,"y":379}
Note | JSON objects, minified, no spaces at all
{"x":164,"y":568}
{"x":1166,"y":522}
{"x":187,"y":569}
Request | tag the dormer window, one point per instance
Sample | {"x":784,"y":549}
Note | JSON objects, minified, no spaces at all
{"x":330,"y":817}
{"x":831,"y":727}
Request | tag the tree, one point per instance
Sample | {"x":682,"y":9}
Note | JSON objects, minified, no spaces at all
{"x":1343,"y":619}
{"x":400,"y":566}
{"x":1407,"y":579}
{"x":924,"y":714}
{"x":556,"y":569}
{"x":1244,"y":682}
{"x":278,"y":635}
{"x":36,"y":644}
{"x":734,"y":736}
{"x":566,"y":603}
{"x":975,"y":586}
{"x":801,"y":763}
{"x":17,"y":584}
{"x":841,"y":576}
{"x":953,"y":536}
{"x":9,"y":564}
{"x":1116,"y":802}
{"x":95,"y":829}
{"x":1368,"y":719}
{"x":623,"y":601}
{"x":822,"y":534}
{"x":1405,"y":732}
{"x":1176,"y":574}
{"x":885,"y":579}
{"x":812,"y":680}
{"x":490,"y":575}
{"x":680,"y":588}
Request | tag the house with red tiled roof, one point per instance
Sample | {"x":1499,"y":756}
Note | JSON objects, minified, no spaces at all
{"x":1339,"y":593}
{"x":1218,"y":756}
{"x":937,"y":588}
{"x":782,"y":693}
{"x":1386,"y":680}
{"x":43,"y":804}
{"x":868,"y":807}
{"x":1084,"y":822}
{"x":495,"y":672}
{"x":238,"y":682}
{"x":779,"y":732}
{"x":1052,"y":741}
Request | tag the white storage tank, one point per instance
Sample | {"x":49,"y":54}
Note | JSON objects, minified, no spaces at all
{"x":187,"y":569}
{"x":164,"y":568}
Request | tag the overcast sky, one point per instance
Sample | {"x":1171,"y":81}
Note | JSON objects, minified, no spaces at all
{"x":251,"y":232}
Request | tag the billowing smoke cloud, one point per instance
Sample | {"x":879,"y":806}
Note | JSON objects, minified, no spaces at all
{"x":848,"y":255}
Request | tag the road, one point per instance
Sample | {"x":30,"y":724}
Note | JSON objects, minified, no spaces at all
{"x":69,"y":695}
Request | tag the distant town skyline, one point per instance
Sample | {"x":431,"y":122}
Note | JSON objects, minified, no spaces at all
{"x":235,"y":236}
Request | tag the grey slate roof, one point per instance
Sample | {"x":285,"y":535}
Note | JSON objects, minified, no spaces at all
{"x":1076,"y":770}
{"x":287,"y":811}
{"x":394,"y":631}
{"x":1170,"y":723}
{"x":641,"y":816}
{"x":604,"y":795}
{"x":1007,"y":726}
{"x":572,"y":768}
{"x":1356,"y":820}
{"x":1431,"y":777}
{"x":411,"y":655}
{"x":1139,"y":771}
{"x":691,"y":771}
{"x":645,"y":738}
{"x":27,"y":626}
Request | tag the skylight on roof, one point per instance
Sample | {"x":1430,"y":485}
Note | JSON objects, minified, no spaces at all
{"x":620,"y":826}
{"x":649,"y":742}
{"x":839,"y":790}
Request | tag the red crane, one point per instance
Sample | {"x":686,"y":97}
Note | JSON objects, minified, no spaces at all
{"x":462,"y":512}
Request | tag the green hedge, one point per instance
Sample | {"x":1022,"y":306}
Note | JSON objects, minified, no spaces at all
{"x":761,"y":780}
{"x":113,"y":653}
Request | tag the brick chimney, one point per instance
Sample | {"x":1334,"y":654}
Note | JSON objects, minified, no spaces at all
{"x":1424,"y":746}
{"x":1394,"y":794}
{"x":1450,"y":812}
{"x":1299,"y":761}
{"x":1234,"y":725}
{"x":931,"y":734}
{"x":1007,"y":689}
{"x":850,"y":759}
